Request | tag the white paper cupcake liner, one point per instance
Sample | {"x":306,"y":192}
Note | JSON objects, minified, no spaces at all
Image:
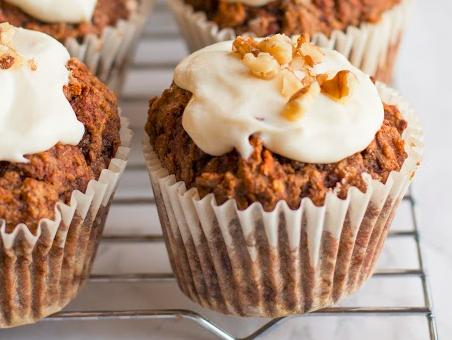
{"x":41,"y":273}
{"x":368,"y":46}
{"x":107,"y":55}
{"x":257,"y":263}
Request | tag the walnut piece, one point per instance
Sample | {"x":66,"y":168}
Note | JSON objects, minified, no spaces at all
{"x":290,"y":83}
{"x":32,"y":64}
{"x":339,"y":87}
{"x":263,"y":66}
{"x":6,"y":34}
{"x":296,"y":53}
{"x":295,"y":107}
{"x":244,"y":45}
{"x":6,"y":62}
{"x":279,"y":46}
{"x":293,"y":111}
{"x":312,"y":54}
{"x":9,"y":57}
{"x":292,"y":60}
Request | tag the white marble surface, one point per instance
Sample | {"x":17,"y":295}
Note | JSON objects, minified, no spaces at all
{"x":424,"y":76}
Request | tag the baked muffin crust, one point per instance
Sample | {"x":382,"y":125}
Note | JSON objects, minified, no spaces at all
{"x":266,"y":177}
{"x":29,"y":191}
{"x":293,"y":16}
{"x":107,"y":13}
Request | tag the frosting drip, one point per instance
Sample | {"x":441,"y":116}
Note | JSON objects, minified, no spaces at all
{"x":56,"y":11}
{"x":35,"y":115}
{"x":229,"y":104}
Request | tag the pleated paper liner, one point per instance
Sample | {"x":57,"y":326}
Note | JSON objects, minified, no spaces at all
{"x":41,"y":273}
{"x":107,"y":55}
{"x":370,"y":47}
{"x":270,"y":264}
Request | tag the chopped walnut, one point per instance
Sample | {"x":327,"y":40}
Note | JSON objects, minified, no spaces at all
{"x":245,"y":45}
{"x":263,"y":66}
{"x":6,"y":62}
{"x":298,"y":40}
{"x":289,"y":83}
{"x":6,"y":34}
{"x":294,"y":109}
{"x":308,"y":89}
{"x":297,"y":63}
{"x":322,"y":78}
{"x":279,"y":46}
{"x":339,"y":87}
{"x":312,"y":54}
{"x":305,"y":50}
{"x":8,"y":56}
{"x":32,"y":64}
{"x":293,"y":60}
{"x":297,"y":54}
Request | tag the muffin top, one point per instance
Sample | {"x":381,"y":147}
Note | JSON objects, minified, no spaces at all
{"x":61,"y":126}
{"x":64,"y":19}
{"x":266,"y":17}
{"x":274,"y":119}
{"x":68,"y":11}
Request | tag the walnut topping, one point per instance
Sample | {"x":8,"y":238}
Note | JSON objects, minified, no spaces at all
{"x":6,"y":34}
{"x":302,"y":92}
{"x":293,"y":111}
{"x":297,"y":40}
{"x":293,"y":60}
{"x":245,"y":45}
{"x":297,"y":54}
{"x":339,"y":87}
{"x":295,"y":107}
{"x":263,"y":66}
{"x":8,"y":56}
{"x":279,"y":46}
{"x":32,"y":64}
{"x":289,"y":83}
{"x":6,"y":62}
{"x":311,"y":54}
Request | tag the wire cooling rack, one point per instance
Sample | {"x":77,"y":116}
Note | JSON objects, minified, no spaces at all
{"x":425,"y":310}
{"x":166,"y":32}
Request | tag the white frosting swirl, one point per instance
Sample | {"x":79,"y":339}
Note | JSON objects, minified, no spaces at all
{"x":229,"y":105}
{"x":35,"y":115}
{"x":56,"y":11}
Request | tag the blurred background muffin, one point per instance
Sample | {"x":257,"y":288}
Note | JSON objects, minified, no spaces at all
{"x":100,"y":33}
{"x":368,"y":33}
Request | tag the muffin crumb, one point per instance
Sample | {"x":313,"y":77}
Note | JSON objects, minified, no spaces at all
{"x":29,"y":191}
{"x":267,"y":177}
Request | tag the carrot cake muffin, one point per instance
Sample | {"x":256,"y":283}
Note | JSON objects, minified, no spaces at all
{"x":66,"y":19}
{"x":265,"y":17}
{"x":90,"y":29}
{"x":293,"y":162}
{"x":60,"y":131}
{"x":349,"y":26}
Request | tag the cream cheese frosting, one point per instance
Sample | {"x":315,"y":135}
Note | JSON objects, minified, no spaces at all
{"x":56,"y":11}
{"x":229,"y":104}
{"x":35,"y":115}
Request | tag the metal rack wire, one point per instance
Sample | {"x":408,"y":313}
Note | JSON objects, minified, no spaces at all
{"x":426,"y":309}
{"x":419,"y":272}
